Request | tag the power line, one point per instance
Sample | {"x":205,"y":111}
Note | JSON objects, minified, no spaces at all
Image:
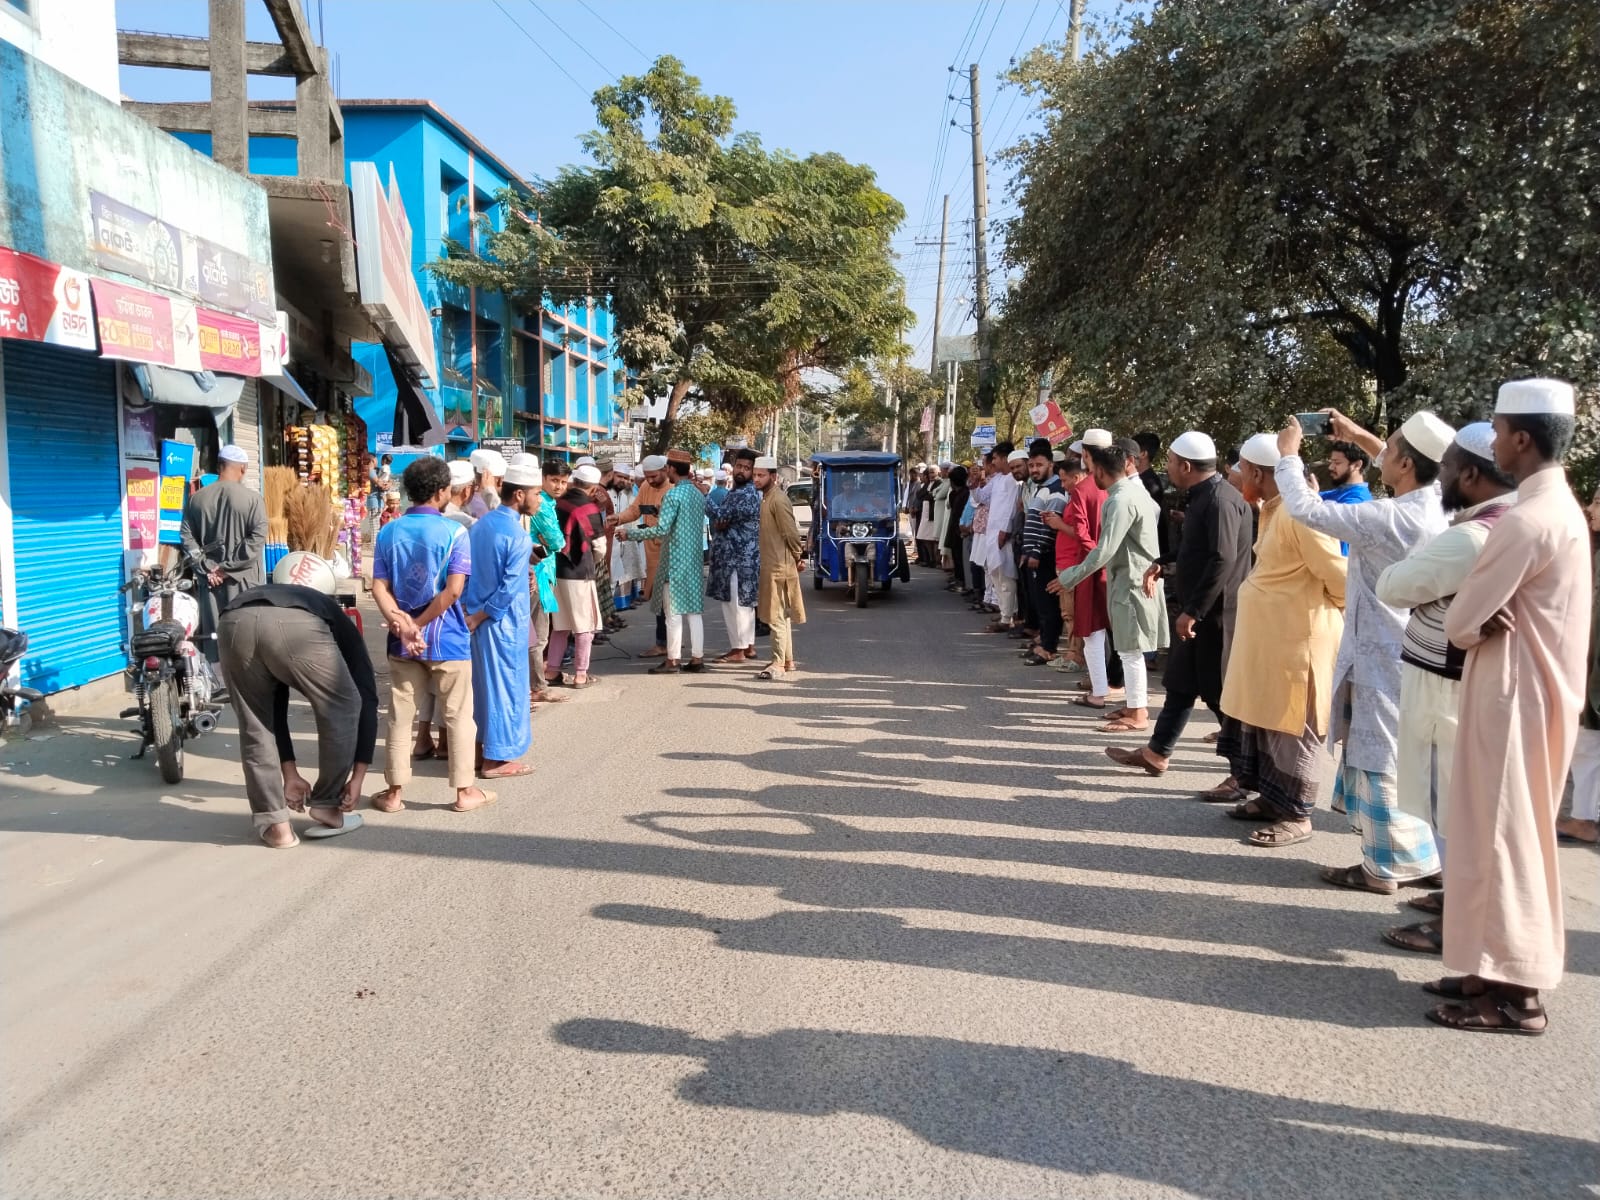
{"x":540,"y":48}
{"x":998,"y":13}
{"x":562,"y":31}
{"x":616,"y":31}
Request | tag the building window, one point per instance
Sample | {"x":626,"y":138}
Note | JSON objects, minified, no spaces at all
{"x":455,"y":346}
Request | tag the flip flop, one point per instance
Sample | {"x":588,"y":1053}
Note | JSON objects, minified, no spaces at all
{"x":1084,"y":702}
{"x":488,"y":799}
{"x":516,"y":771}
{"x":1133,"y":758}
{"x":374,"y":802}
{"x":1123,"y":726}
{"x":261,"y":834}
{"x":320,"y":832}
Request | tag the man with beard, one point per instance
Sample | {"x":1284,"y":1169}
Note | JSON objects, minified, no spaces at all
{"x":782,"y":557}
{"x":646,"y":511}
{"x":735,"y":534}
{"x":1476,"y":493}
{"x":1347,"y":472}
{"x":1212,"y":560}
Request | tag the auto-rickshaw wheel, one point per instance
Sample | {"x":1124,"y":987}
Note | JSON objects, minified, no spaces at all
{"x":863,"y":584}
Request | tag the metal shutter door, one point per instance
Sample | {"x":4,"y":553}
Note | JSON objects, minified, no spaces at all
{"x":247,"y":432}
{"x":66,"y":512}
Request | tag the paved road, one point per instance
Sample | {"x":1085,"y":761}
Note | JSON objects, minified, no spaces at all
{"x":894,"y":929}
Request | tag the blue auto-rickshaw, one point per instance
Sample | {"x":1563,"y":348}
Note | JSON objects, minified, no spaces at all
{"x":855,"y":522}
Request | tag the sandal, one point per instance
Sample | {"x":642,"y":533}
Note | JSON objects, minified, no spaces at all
{"x":512,"y":770}
{"x":1279,"y":834}
{"x":1356,"y":879}
{"x":1086,"y":700}
{"x":1252,"y":810}
{"x":732,"y":656}
{"x":1424,"y":937}
{"x":1495,"y":1011}
{"x":488,"y":799}
{"x":383,"y":795}
{"x":695,"y":665}
{"x":655,"y":652}
{"x":1226,"y":792}
{"x":1134,"y":758}
{"x":557,"y":680}
{"x":663,"y":668}
{"x":770,"y":673}
{"x":572,"y":681}
{"x":1123,"y":725}
{"x":1432,"y":904}
{"x":1455,"y":987}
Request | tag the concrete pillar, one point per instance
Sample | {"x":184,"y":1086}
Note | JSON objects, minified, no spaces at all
{"x":313,"y":97}
{"x":230,"y":93}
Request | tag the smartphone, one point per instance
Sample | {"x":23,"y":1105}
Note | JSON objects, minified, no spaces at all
{"x":1314,"y":424}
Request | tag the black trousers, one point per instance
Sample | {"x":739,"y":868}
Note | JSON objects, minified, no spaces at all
{"x":958,"y":567}
{"x":1173,"y":719}
{"x":1048,"y":608}
{"x":977,"y":580}
{"x":661,"y":628}
{"x":1026,"y":609}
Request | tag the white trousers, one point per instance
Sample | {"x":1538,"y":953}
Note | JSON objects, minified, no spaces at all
{"x":1005,"y":592}
{"x":741,"y":621}
{"x":697,"y":635}
{"x":1135,"y":679}
{"x":1586,"y":776}
{"x":1094,"y":658}
{"x":1425,"y":745}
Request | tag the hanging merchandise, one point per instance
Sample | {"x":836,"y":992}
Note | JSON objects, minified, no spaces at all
{"x":313,"y":452}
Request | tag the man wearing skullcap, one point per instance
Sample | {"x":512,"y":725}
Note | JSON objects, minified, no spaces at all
{"x":462,"y":485}
{"x":1522,"y":614}
{"x":627,"y":558}
{"x":602,"y":548}
{"x":734,"y":577}
{"x":1078,"y":532}
{"x":1583,"y":824}
{"x":578,"y":616}
{"x":1397,"y":849}
{"x":645,"y":512}
{"x":488,"y":466}
{"x":544,"y":528}
{"x":224,"y":536}
{"x":496,"y":602}
{"x":681,"y":594}
{"x":1277,"y":685}
{"x":1477,"y":493}
{"x":782,"y":554}
{"x":1211,"y":561}
{"x":1002,"y":495}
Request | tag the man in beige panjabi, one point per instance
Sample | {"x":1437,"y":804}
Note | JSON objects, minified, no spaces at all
{"x":782,"y":554}
{"x":1522,"y":615}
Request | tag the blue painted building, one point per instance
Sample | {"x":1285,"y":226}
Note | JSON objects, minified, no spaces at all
{"x":550,"y":377}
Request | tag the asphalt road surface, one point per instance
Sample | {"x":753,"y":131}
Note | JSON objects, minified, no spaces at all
{"x":895,"y":928}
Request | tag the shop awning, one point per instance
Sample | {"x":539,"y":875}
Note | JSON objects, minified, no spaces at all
{"x":416,"y":422}
{"x":289,"y":386}
{"x":189,"y":389}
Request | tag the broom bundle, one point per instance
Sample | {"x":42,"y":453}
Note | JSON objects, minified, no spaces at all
{"x":311,"y":519}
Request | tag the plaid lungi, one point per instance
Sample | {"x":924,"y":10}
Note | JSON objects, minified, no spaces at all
{"x":1394,"y":846}
{"x":1285,"y":770}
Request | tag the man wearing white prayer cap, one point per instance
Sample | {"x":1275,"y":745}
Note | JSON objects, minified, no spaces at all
{"x":645,"y":512}
{"x":490,"y":467}
{"x":1477,"y":493}
{"x":462,"y":482}
{"x":224,"y":536}
{"x":1397,"y":849}
{"x":1522,"y":614}
{"x":1279,"y":659}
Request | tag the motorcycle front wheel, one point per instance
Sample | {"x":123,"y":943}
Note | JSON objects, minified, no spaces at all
{"x":166,"y":733}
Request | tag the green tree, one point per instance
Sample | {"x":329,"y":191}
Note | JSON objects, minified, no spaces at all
{"x":1240,"y":208}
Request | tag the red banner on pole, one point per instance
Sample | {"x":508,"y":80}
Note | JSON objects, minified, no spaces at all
{"x":228,"y":344}
{"x":134,"y":324}
{"x":43,"y":302}
{"x":1049,"y":422}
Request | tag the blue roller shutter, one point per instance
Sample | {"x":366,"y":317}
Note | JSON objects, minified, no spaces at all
{"x":66,"y":512}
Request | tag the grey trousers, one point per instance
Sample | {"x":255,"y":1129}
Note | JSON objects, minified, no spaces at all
{"x":263,"y":648}
{"x":538,"y":643}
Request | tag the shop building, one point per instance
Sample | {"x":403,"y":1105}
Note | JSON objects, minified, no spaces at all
{"x":136,"y":301}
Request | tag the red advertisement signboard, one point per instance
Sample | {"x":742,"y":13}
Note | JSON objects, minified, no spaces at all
{"x":1050,"y":423}
{"x":134,"y":324}
{"x":42,"y":302}
{"x":228,"y":344}
{"x":143,"y":508}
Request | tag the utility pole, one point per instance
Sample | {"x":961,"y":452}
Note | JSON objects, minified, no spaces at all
{"x":1075,"y":29}
{"x":980,"y":250}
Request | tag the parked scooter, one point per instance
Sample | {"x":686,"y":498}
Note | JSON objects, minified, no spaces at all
{"x":170,"y":678}
{"x":14,"y":699}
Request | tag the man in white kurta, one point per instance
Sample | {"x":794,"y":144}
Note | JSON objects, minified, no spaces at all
{"x":1522,"y":614}
{"x":1396,"y":849}
{"x":1478,"y":493}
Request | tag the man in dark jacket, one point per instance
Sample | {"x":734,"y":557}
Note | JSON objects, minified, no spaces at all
{"x":1212,"y":560}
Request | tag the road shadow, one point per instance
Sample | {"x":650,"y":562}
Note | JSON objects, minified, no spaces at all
{"x":1089,"y":1115}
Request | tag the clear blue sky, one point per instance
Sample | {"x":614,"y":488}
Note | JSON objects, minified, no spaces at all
{"x":866,"y":78}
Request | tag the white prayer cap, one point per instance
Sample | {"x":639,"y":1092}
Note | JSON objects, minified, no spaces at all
{"x":460,"y":473}
{"x":520,"y":474}
{"x":1097,"y":439}
{"x":1522,"y":397}
{"x":721,"y":473}
{"x":1077,"y":447}
{"x":1059,"y":456}
{"x":527,"y":469}
{"x":586,"y":461}
{"x":232,"y":454}
{"x":1427,"y":435}
{"x":1194,"y":446}
{"x":1017,"y":456}
{"x":588,"y":474}
{"x":922,"y":466}
{"x":1262,"y":450}
{"x":1477,"y":438}
{"x":766,"y":463}
{"x":655,"y":462}
{"x":946,"y":465}
{"x":488,"y":462}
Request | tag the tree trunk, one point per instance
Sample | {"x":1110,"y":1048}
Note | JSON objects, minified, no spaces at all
{"x":680,"y":389}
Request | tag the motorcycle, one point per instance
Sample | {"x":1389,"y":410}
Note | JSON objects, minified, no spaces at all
{"x":169,"y":677}
{"x":14,"y":698}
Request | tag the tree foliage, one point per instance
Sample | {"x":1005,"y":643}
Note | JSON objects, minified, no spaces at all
{"x":731,"y":269}
{"x":1238,"y":208}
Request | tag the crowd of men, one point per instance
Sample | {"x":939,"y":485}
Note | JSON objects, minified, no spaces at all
{"x":1440,"y":641}
{"x":494,"y":585}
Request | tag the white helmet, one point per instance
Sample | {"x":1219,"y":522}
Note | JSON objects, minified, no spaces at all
{"x":305,"y":569}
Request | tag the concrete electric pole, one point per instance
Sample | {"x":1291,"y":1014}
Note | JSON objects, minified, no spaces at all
{"x":980,"y":250}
